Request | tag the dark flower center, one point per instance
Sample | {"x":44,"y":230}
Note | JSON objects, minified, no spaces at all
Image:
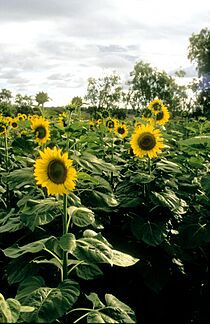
{"x":14,"y":124}
{"x":57,"y":171}
{"x":156,"y":106}
{"x":121,"y":130}
{"x":146,"y":141}
{"x":159,"y":116}
{"x":110,"y":124}
{"x":2,"y":128}
{"x":40,"y":132}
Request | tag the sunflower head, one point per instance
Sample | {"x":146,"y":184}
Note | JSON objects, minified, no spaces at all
{"x":3,"y":128}
{"x":147,"y":141}
{"x":121,"y":130}
{"x":55,"y":172}
{"x":162,"y":116}
{"x":110,"y":124}
{"x":14,"y":123}
{"x":155,"y":106}
{"x":40,"y":126}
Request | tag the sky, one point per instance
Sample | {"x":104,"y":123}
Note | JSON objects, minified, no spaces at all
{"x":56,"y":45}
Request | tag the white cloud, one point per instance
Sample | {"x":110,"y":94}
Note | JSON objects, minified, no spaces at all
{"x":56,"y":45}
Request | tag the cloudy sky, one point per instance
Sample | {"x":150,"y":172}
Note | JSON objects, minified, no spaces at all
{"x":56,"y":45}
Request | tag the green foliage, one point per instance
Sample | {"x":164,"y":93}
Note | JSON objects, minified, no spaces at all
{"x":147,"y":83}
{"x":11,"y":309}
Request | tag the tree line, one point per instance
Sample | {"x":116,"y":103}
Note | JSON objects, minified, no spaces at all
{"x":109,"y":96}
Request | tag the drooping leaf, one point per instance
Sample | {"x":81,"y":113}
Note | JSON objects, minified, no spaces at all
{"x":88,"y":271}
{"x":9,"y":310}
{"x":123,"y":259}
{"x":15,"y":251}
{"x":81,"y":216}
{"x":39,"y":212}
{"x":20,"y":178}
{"x":49,"y":303}
{"x":150,"y":232}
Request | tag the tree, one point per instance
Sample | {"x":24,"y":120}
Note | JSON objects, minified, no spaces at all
{"x":6,"y":107}
{"x":23,"y":103}
{"x":104,"y":94}
{"x":5,"y":96}
{"x":199,"y":52}
{"x":147,"y":83}
{"x":41,"y":98}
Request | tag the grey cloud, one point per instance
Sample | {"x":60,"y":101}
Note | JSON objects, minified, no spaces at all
{"x":38,"y":9}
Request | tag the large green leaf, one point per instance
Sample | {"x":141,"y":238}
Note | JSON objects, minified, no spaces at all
{"x":92,"y":163}
{"x":10,"y":222}
{"x":49,"y":303}
{"x":114,"y":311}
{"x":169,"y":199}
{"x":20,"y":178}
{"x":81,"y":216}
{"x":194,"y":231}
{"x":168,"y":166}
{"x":92,"y":250}
{"x":205,"y":182}
{"x":123,"y":259}
{"x":20,"y":268}
{"x":40,"y":212}
{"x":88,"y":271}
{"x":196,"y":141}
{"x":150,"y":232}
{"x":15,"y":251}
{"x":10,"y":310}
{"x":100,"y":199}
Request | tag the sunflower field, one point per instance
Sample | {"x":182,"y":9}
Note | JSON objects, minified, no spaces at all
{"x":104,"y":221}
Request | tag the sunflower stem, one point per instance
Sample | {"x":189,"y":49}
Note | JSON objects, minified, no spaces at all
{"x":64,"y":273}
{"x":7,"y":169}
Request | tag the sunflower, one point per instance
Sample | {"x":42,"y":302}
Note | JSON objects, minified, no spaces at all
{"x":55,"y":171}
{"x":40,"y":126}
{"x":163,"y":116}
{"x":155,"y":106}
{"x":121,"y":130}
{"x":147,"y":140}
{"x":14,"y":122}
{"x":3,"y":128}
{"x":111,"y":123}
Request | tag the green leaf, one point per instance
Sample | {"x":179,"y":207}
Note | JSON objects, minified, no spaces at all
{"x":40,"y":212}
{"x":11,"y":222}
{"x":49,"y":303}
{"x":114,"y":311}
{"x":99,"y":317}
{"x":123,"y":259}
{"x":68,"y":242}
{"x":20,"y":268}
{"x":93,"y":297}
{"x":15,"y":251}
{"x":169,"y":199}
{"x":168,"y":166}
{"x":142,"y":178}
{"x":205,"y":182}
{"x":81,"y":216}
{"x":194,"y":231}
{"x":150,"y":232}
{"x":196,"y":141}
{"x":88,"y":271}
{"x":92,"y":250}
{"x":100,"y":199}
{"x":20,"y":178}
{"x":9,"y":310}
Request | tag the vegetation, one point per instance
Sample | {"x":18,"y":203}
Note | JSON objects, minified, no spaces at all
{"x":106,"y":219}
